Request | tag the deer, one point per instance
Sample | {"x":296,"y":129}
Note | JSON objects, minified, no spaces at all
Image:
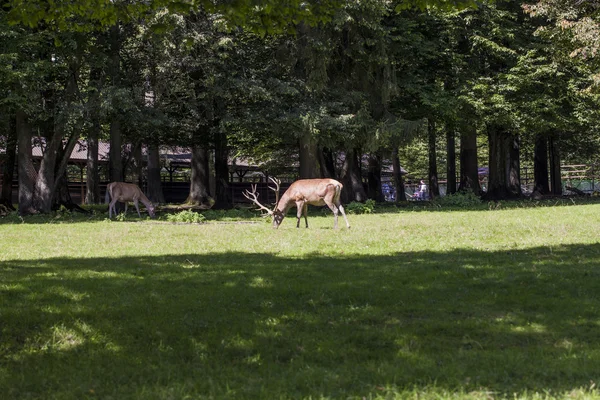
{"x":126,"y":192}
{"x":301,"y":193}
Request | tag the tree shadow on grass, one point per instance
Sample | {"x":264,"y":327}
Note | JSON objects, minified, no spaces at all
{"x":245,"y":325}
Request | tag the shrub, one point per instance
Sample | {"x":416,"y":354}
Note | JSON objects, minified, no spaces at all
{"x":368,"y":207}
{"x":460,"y":199}
{"x":187,"y":216}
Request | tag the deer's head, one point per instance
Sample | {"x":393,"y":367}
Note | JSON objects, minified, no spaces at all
{"x":275,"y":213}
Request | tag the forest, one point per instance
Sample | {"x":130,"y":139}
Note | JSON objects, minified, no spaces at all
{"x":334,"y":88}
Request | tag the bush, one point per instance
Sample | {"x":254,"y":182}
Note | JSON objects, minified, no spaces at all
{"x":187,"y":216}
{"x":368,"y":207}
{"x":460,"y":199}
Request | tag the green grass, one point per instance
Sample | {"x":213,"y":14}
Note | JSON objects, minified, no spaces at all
{"x":409,"y":303}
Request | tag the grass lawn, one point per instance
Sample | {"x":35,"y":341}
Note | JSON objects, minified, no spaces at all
{"x":427,"y":303}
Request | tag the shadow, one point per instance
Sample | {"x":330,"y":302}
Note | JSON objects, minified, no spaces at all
{"x":247,"y":325}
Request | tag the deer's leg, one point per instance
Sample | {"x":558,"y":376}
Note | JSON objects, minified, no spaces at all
{"x":333,"y":208}
{"x":137,"y":207}
{"x":305,"y":212}
{"x":111,"y":207}
{"x":299,"y":210}
{"x":125,"y":212}
{"x":341,"y":208}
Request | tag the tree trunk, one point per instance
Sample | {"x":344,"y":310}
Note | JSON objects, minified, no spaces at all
{"x":352,"y":178}
{"x":222,"y":192}
{"x":154,"y":191}
{"x":92,"y":183}
{"x":327,"y":163}
{"x":541,"y":184}
{"x":469,"y":174}
{"x":434,"y":188}
{"x":9,"y":164}
{"x":309,"y":165}
{"x":513,"y":144}
{"x":398,"y":180}
{"x":451,"y":165}
{"x":26,"y":170}
{"x":555,"y":172}
{"x":374,"y":178}
{"x":115,"y":161}
{"x":200,"y":180}
{"x":497,"y":165}
{"x":504,"y":180}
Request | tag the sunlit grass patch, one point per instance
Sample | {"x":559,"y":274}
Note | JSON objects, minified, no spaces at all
{"x":410,"y":304}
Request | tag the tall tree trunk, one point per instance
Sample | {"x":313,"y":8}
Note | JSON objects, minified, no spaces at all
{"x":200,"y":179}
{"x":154,"y":191}
{"x":497,"y":165}
{"x":92,"y":182}
{"x":309,"y":165}
{"x":9,"y":164}
{"x":434,"y":188}
{"x":451,"y":157}
{"x":136,"y":165}
{"x":222,"y":192}
{"x":513,"y":184}
{"x":374,"y":177}
{"x":26,"y":170}
{"x":352,"y":178}
{"x":469,"y":174}
{"x":327,"y":163}
{"x":115,"y":160}
{"x":398,"y":180}
{"x":60,"y":193}
{"x":541,"y":184}
{"x":555,"y":172}
{"x":504,"y":180}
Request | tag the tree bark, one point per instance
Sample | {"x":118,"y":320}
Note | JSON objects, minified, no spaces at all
{"x":451,"y":157}
{"x":434,"y":188}
{"x":469,"y":174}
{"x":513,"y":144}
{"x":9,"y":164}
{"x":504,"y":180}
{"x":309,"y":165}
{"x":92,"y":183}
{"x":352,"y":178}
{"x":327,"y":163}
{"x":398,"y":180}
{"x":200,"y":179}
{"x":26,"y":170}
{"x":374,"y":178}
{"x":541,"y":184}
{"x":154,"y":191}
{"x":555,"y":172}
{"x":115,"y":161}
{"x":222,"y":193}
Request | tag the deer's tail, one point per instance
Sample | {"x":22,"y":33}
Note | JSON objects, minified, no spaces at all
{"x":338,"y":191}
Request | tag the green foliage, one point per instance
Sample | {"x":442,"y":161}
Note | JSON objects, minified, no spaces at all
{"x":464,"y":199}
{"x":187,"y":216}
{"x":368,"y":207}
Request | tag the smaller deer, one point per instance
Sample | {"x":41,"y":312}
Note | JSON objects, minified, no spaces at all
{"x":317,"y":192}
{"x":126,"y":192}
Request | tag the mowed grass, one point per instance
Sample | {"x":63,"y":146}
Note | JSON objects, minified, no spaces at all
{"x":434,"y":304}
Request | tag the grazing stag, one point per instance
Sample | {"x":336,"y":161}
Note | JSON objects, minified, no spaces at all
{"x":126,"y":192}
{"x":317,"y":192}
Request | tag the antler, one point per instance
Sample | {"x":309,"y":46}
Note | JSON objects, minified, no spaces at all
{"x":253,"y":197}
{"x":277,"y":183}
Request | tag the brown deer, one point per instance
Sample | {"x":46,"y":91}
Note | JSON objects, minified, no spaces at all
{"x":126,"y":192}
{"x":317,"y":192}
